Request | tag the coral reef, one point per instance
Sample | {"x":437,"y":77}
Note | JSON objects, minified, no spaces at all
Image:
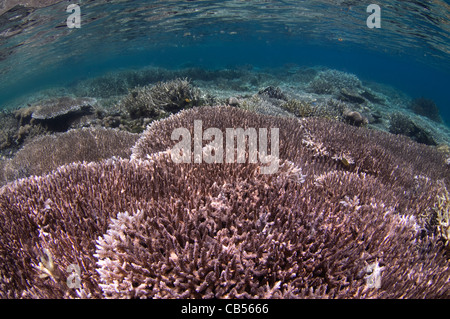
{"x":264,"y":249}
{"x":119,"y":83}
{"x":56,"y":114}
{"x":273,"y":93}
{"x":8,"y":133}
{"x":264,"y":105}
{"x":342,"y":217}
{"x":426,"y":107}
{"x":300,"y":108}
{"x":311,"y":109}
{"x":148,"y":227}
{"x":15,"y":128}
{"x":401,"y":124}
{"x":60,"y":114}
{"x":136,"y":230}
{"x":351,"y":96}
{"x":59,"y":107}
{"x":354,"y":118}
{"x":247,"y":87}
{"x":45,"y":153}
{"x":333,"y":81}
{"x":161,"y":98}
{"x":320,"y":145}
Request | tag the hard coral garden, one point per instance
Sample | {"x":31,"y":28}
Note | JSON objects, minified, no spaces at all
{"x":333,"y":81}
{"x":146,"y":227}
{"x":43,"y":154}
{"x":161,"y":98}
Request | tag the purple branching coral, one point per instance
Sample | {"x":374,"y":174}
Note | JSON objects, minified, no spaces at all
{"x":45,"y":153}
{"x":339,"y":219}
{"x":319,"y":146}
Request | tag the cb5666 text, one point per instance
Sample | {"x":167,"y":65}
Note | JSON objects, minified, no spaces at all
{"x":232,"y":308}
{"x":246,"y":308}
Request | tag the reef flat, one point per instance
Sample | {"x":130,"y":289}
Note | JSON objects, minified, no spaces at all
{"x":92,"y":205}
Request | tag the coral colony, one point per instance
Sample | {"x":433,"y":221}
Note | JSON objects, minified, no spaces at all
{"x":139,"y":184}
{"x":345,"y":215}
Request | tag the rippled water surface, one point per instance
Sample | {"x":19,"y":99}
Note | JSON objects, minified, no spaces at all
{"x":411,"y":50}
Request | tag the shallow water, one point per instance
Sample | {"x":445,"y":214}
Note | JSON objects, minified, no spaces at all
{"x":410,"y":50}
{"x":350,"y":206}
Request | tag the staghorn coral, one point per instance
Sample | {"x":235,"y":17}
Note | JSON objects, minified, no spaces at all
{"x":393,"y":159}
{"x":161,"y":98}
{"x":45,"y":153}
{"x":257,"y":251}
{"x":321,"y":145}
{"x":148,"y":227}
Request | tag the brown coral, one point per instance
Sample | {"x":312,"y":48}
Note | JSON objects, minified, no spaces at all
{"x":148,"y":227}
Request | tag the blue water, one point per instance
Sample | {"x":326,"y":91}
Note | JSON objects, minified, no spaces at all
{"x":410,"y":51}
